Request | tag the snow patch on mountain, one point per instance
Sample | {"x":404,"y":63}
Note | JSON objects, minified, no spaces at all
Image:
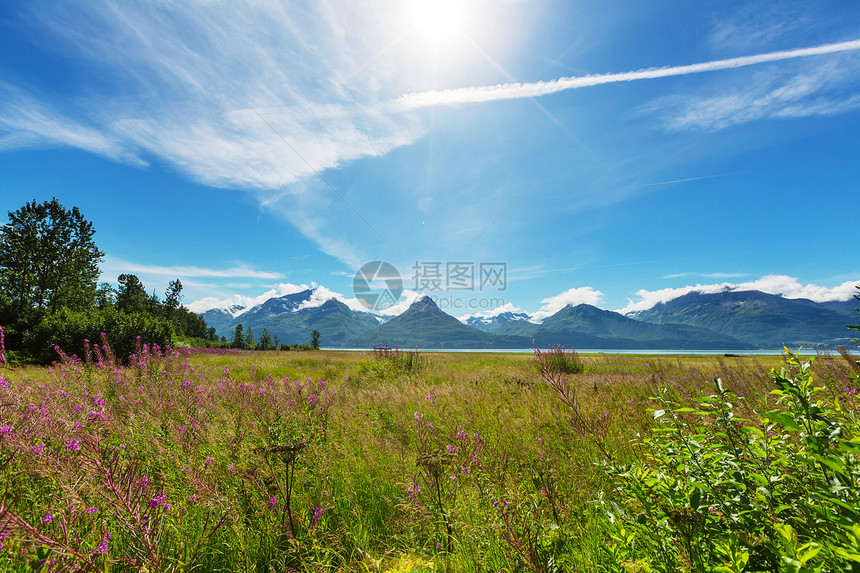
{"x":507,"y":311}
{"x":782,"y":285}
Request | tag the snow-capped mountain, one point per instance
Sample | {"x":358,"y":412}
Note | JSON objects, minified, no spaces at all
{"x":489,"y":323}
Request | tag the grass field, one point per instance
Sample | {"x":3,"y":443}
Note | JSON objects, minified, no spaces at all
{"x":344,"y":461}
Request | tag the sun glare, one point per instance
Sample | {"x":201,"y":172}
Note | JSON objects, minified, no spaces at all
{"x":438,"y":20}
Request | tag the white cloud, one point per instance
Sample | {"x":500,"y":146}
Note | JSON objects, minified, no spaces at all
{"x":319,"y":296}
{"x":245,"y":302}
{"x":814,"y":90}
{"x":252,"y":96}
{"x":535,"y":89}
{"x":322,"y":294}
{"x":573,"y":296}
{"x":211,"y":88}
{"x":26,"y":122}
{"x":760,"y":23}
{"x":407,"y":297}
{"x":784,"y":285}
{"x":112,"y":267}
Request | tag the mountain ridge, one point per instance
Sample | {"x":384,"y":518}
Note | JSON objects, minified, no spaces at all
{"x":731,"y":320}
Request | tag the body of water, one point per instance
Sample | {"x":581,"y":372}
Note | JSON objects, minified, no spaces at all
{"x":774,"y":352}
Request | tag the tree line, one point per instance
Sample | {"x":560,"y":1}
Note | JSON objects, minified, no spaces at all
{"x":244,"y":338}
{"x":49,"y":295}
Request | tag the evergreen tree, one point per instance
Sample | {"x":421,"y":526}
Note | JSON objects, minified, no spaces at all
{"x":105,"y":296}
{"x":265,"y":340}
{"x":238,"y":337}
{"x":131,"y":295}
{"x":172,"y":297}
{"x":315,"y":340}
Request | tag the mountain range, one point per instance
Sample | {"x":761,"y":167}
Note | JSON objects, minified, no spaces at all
{"x":727,"y":320}
{"x":293,"y":317}
{"x":764,"y":320}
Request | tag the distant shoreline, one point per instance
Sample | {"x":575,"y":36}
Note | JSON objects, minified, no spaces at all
{"x":586,"y":351}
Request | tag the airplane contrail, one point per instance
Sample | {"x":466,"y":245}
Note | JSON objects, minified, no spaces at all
{"x":533,"y":89}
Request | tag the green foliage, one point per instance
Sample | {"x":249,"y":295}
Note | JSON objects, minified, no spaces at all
{"x":131,"y":294}
{"x":48,"y":261}
{"x":265,"y":340}
{"x":315,"y":339}
{"x":398,"y":361}
{"x":714,"y":491}
{"x":560,"y":361}
{"x":68,"y":330}
{"x":238,"y":339}
{"x":173,"y":296}
{"x":246,"y":461}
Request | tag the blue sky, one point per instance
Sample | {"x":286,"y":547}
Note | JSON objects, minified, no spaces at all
{"x":615,"y":154}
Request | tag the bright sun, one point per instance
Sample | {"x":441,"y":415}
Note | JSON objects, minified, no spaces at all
{"x":438,"y":20}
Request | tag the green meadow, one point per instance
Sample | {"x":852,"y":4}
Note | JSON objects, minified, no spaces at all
{"x":227,"y":460}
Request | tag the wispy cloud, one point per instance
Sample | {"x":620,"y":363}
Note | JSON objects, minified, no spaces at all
{"x":112,"y":267}
{"x":783,"y":285}
{"x":535,"y":89}
{"x":320,"y":295}
{"x":26,"y":122}
{"x":813,"y":91}
{"x":706,"y":275}
{"x":244,"y":302}
{"x":188,"y":83}
{"x":206,"y":87}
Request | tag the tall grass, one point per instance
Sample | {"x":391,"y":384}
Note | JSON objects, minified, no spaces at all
{"x":240,"y":461}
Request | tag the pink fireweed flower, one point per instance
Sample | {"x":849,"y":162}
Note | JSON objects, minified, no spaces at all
{"x":208,"y":461}
{"x":48,"y":518}
{"x":103,"y":547}
{"x":91,"y":510}
{"x":413,"y":491}
{"x":318,"y":513}
{"x":272,"y":503}
{"x":73,"y":445}
{"x":158,"y":500}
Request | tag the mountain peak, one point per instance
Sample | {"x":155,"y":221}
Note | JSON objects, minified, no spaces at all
{"x":424,"y":304}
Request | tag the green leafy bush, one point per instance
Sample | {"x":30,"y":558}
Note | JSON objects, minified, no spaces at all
{"x":713,"y":491}
{"x":68,"y":330}
{"x":558,"y":360}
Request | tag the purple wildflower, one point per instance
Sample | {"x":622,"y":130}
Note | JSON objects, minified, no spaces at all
{"x":103,"y":547}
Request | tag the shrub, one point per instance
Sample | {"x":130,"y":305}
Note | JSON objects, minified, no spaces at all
{"x":715,"y":492}
{"x":558,"y":360}
{"x":69,"y":330}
